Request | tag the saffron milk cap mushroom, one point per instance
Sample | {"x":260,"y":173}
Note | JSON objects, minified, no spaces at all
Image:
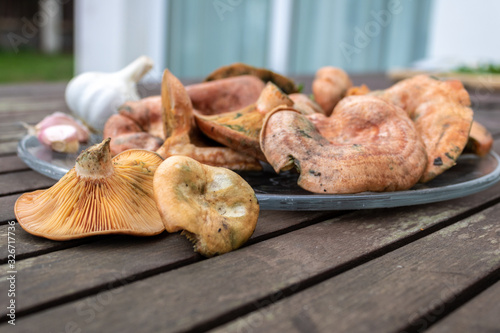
{"x":100,"y":195}
{"x":367,"y":144}
{"x":216,"y":208}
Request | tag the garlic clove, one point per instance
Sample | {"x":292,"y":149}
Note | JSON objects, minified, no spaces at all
{"x":60,"y":138}
{"x":59,"y":118}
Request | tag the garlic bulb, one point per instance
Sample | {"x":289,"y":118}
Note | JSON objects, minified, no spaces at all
{"x":94,"y":97}
{"x":60,"y":138}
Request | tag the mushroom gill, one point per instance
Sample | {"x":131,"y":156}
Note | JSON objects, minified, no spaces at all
{"x":100,"y":195}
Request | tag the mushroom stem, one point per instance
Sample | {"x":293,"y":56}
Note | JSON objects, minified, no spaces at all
{"x":95,"y":162}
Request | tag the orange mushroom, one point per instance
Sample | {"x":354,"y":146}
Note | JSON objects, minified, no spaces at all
{"x":442,"y":116}
{"x":240,"y":129}
{"x":480,"y":140}
{"x":214,"y":207}
{"x":285,"y":84}
{"x":100,"y":195}
{"x":329,"y":86}
{"x":366,"y":144}
{"x":181,"y":132}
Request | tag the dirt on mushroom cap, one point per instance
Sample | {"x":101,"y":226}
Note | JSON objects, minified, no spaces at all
{"x":366,"y":145}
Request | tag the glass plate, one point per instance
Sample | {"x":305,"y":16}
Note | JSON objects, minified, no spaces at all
{"x":472,"y":174}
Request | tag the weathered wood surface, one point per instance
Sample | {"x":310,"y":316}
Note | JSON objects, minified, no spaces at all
{"x":271,"y":268}
{"x":479,"y":315}
{"x":404,"y":290}
{"x":7,"y":207}
{"x":114,"y":255}
{"x":295,"y":264}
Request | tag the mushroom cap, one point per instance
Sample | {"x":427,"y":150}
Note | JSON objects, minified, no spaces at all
{"x":225,"y":95}
{"x":236,"y":69}
{"x":329,"y":86}
{"x":215,"y":207}
{"x":441,"y":115}
{"x":480,"y":140}
{"x":366,"y":144}
{"x":240,"y":129}
{"x":79,"y":205}
{"x":181,"y":131}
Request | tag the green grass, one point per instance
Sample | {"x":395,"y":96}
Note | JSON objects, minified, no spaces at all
{"x":29,"y":66}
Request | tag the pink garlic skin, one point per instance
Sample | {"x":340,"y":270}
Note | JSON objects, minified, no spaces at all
{"x":59,"y":118}
{"x":60,"y":138}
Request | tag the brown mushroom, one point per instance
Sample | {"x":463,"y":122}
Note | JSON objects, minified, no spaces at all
{"x":180,"y":131}
{"x":236,"y":69}
{"x":214,"y":207}
{"x":441,"y":115}
{"x":366,"y":144}
{"x":480,"y":140}
{"x":240,"y":129}
{"x":225,"y":95}
{"x":305,"y":104}
{"x":329,"y":86}
{"x":100,"y":195}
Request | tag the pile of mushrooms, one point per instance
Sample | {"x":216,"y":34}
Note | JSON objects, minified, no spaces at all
{"x":173,"y":153}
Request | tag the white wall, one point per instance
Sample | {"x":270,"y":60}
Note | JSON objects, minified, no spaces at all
{"x":465,"y":30}
{"x":110,"y":34}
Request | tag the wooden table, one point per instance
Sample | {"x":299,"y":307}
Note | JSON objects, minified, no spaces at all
{"x":432,"y":267}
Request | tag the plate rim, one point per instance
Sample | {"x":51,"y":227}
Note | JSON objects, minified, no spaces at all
{"x":318,"y":202}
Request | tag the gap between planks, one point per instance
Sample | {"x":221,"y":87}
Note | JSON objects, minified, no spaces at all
{"x":175,"y":243}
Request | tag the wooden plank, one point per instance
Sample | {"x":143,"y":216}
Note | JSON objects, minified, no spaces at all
{"x":478,"y":315}
{"x":11,"y":163}
{"x":123,"y":256}
{"x":32,"y":89}
{"x":28,"y":245}
{"x":233,"y":283}
{"x":7,"y":208}
{"x":23,"y":181}
{"x":8,"y":148}
{"x":404,"y":290}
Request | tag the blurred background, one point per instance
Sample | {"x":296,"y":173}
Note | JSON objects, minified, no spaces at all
{"x":47,"y":40}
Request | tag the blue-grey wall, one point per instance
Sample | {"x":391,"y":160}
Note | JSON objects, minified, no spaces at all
{"x":357,"y":35}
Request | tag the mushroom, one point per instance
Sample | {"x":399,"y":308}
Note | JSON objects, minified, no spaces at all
{"x":216,"y":209}
{"x":182,"y":138}
{"x":367,"y":144}
{"x":442,"y":116}
{"x":137,"y":126}
{"x":225,"y":95}
{"x":236,"y":69}
{"x":329,"y":86}
{"x":305,"y":104}
{"x":240,"y":129}
{"x":480,"y":140}
{"x":100,"y":195}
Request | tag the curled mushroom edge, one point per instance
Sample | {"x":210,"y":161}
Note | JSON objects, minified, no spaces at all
{"x":367,"y":144}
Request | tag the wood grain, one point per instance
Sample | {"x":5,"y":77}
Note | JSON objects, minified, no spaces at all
{"x":28,"y":245}
{"x":115,"y":253}
{"x":12,"y":163}
{"x":7,"y":207}
{"x":193,"y":296}
{"x":478,"y":315}
{"x":23,"y":181}
{"x":404,"y":289}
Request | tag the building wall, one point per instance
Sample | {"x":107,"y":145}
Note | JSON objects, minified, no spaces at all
{"x":193,"y":37}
